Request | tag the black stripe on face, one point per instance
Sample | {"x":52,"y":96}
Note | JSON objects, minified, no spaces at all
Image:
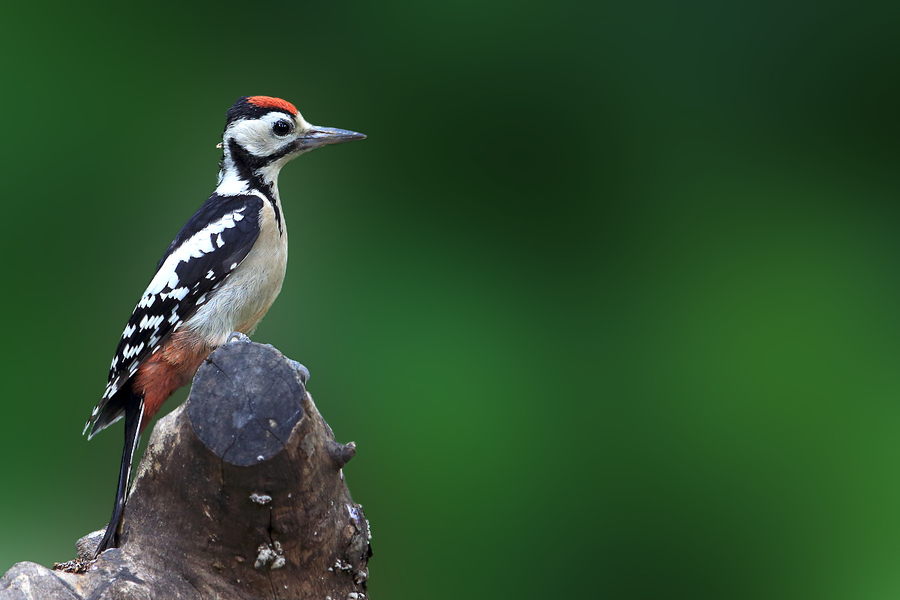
{"x":248,"y":163}
{"x":247,"y":166}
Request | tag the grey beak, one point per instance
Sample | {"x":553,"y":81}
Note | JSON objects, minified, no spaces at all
{"x":323,"y":136}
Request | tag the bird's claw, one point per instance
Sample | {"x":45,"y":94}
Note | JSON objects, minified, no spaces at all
{"x":303,"y":371}
{"x":237,"y":336}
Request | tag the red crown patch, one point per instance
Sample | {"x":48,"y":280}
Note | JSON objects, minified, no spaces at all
{"x":269,"y":102}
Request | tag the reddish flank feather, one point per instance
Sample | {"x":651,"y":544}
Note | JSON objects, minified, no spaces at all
{"x":170,"y":368}
{"x":269,"y":102}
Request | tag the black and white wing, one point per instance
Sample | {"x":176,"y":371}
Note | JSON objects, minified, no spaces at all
{"x":206,"y":250}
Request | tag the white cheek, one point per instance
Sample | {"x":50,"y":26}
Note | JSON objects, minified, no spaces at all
{"x":256,"y":137}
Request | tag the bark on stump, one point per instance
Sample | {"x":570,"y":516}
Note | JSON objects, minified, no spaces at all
{"x":240,"y":494}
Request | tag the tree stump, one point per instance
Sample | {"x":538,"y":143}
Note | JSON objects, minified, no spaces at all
{"x":239,"y":495}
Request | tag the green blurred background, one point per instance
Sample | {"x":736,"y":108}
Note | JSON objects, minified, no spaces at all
{"x":608,"y":299}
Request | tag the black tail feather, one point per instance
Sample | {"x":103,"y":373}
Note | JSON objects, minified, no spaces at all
{"x":134,"y":413}
{"x":110,"y":412}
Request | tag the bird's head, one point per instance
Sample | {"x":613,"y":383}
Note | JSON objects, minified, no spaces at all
{"x":263,"y":133}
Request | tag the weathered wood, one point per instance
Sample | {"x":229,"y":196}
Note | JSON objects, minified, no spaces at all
{"x":239,"y":495}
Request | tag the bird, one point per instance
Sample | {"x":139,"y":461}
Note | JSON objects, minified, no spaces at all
{"x":219,"y":275}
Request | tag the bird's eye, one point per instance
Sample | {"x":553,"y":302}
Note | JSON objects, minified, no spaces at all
{"x":282,"y":127}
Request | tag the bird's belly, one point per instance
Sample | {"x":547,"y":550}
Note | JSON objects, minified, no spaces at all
{"x":243,"y":300}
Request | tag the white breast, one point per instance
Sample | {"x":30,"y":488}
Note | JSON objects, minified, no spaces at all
{"x":250,"y":289}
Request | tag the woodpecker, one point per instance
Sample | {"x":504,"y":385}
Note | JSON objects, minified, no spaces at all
{"x":220,"y":274}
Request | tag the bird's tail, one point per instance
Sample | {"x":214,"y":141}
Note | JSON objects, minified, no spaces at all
{"x":134,"y":414}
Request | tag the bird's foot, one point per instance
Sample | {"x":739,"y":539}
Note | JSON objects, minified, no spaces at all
{"x":237,"y":336}
{"x":303,"y":371}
